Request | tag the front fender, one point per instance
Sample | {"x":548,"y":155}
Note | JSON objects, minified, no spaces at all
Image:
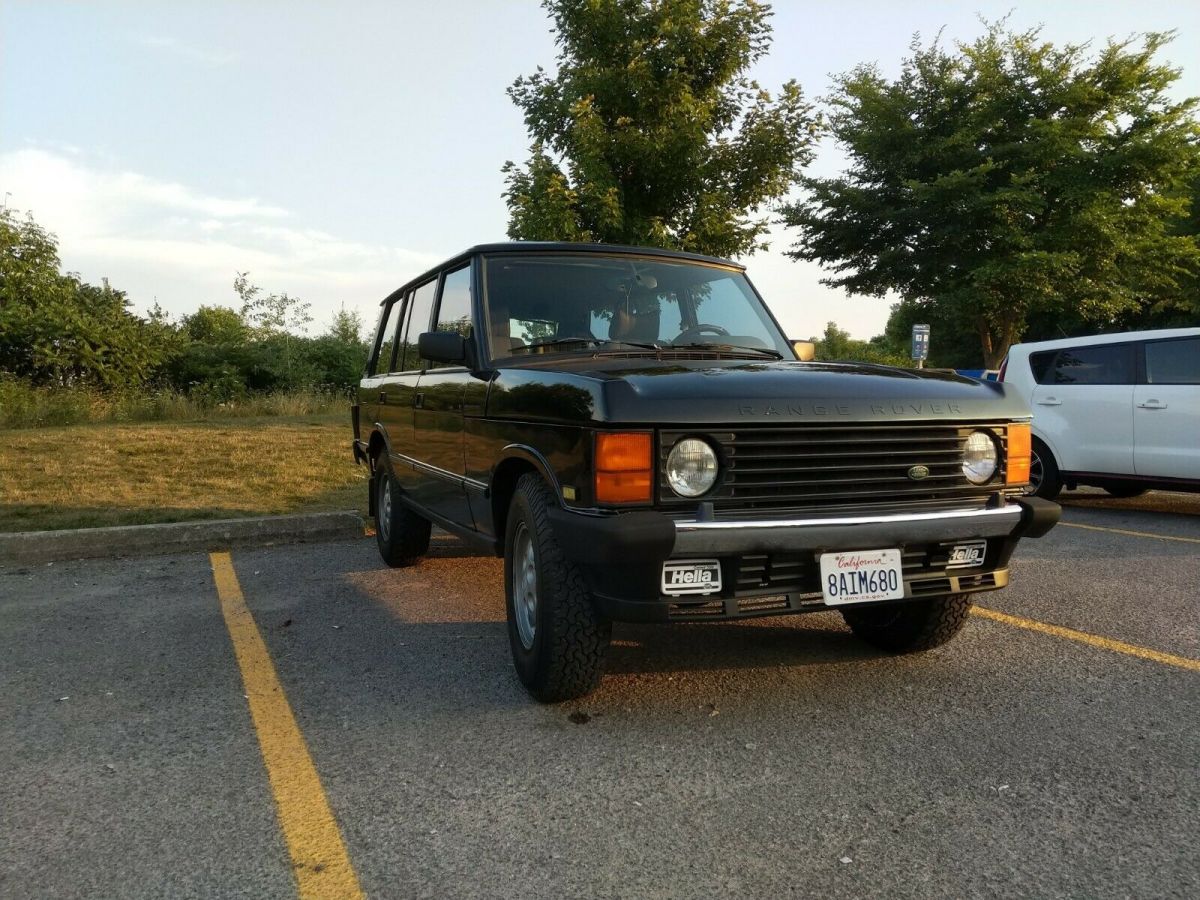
{"x":528,"y":454}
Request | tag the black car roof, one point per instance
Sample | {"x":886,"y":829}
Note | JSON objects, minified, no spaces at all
{"x":558,"y":247}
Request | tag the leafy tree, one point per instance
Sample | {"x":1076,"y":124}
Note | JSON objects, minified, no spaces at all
{"x":216,"y":325}
{"x":1010,"y":178}
{"x":339,"y":355}
{"x":347,"y":326}
{"x":953,"y":344}
{"x":651,"y":134}
{"x":270,"y":313}
{"x":336,"y":364}
{"x":59,"y":331}
{"x":56,"y":329}
{"x":273,"y":317}
{"x":836,"y":345}
{"x":28,"y":262}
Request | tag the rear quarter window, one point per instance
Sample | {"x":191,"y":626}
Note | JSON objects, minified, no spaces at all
{"x":381,"y":358}
{"x":1173,"y":362}
{"x":1039,"y":364}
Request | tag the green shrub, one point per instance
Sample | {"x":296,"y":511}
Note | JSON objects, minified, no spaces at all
{"x":23,"y":405}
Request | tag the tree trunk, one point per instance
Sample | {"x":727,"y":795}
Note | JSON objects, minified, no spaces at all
{"x":985,"y":342}
{"x":995,"y":346}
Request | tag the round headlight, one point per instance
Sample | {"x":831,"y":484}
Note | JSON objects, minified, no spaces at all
{"x":979,"y":459}
{"x":691,"y":467}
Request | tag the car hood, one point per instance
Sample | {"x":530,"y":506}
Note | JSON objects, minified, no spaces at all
{"x":730,"y":392}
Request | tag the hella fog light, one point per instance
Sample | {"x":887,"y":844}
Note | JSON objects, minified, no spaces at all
{"x":691,"y":467}
{"x":979,"y":457}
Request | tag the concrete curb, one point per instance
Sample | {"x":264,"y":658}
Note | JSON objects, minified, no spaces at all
{"x":176,"y":537}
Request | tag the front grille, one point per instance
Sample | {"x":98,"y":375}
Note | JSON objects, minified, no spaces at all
{"x":697,"y":609}
{"x":824,"y":466}
{"x":778,"y":571}
{"x":801,"y":572}
{"x":778,"y":583}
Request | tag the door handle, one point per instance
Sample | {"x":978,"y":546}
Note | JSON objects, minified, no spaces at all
{"x":418,"y":401}
{"x":1152,"y":404}
{"x":1049,"y":401}
{"x":383,"y":396}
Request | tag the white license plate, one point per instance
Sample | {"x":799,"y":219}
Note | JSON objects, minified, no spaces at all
{"x":691,"y":576}
{"x":861,"y":576}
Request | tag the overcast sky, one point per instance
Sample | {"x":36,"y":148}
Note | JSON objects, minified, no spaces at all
{"x":334,"y":150}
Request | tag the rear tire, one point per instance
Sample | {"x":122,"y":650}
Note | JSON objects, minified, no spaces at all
{"x":402,"y":535}
{"x":910,"y":627}
{"x":558,"y":638}
{"x":1044,"y":478}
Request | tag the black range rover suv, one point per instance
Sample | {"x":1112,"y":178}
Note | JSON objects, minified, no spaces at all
{"x":631,"y":431}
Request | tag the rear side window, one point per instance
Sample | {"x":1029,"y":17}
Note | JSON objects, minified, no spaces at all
{"x":1173,"y":362}
{"x":1105,"y":364}
{"x":385,"y":339}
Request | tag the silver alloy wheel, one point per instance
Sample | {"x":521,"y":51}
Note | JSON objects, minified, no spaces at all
{"x":1036,"y":473}
{"x":524,"y":586}
{"x":383,"y":504}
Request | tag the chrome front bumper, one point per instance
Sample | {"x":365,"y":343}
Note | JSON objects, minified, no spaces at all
{"x":693,"y":536}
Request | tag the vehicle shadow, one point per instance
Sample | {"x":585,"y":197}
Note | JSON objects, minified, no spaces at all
{"x":363,"y":642}
{"x":1152,"y":504}
{"x":455,"y":598}
{"x":811,"y":639}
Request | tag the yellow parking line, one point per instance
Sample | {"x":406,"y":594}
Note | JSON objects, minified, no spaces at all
{"x":1149,"y":534}
{"x":319,"y":859}
{"x":1094,"y":640}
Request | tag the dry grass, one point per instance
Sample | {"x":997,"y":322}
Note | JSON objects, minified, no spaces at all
{"x":91,"y":475}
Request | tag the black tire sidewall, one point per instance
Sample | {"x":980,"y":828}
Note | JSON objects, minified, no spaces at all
{"x":570,"y":639}
{"x":525,"y":660}
{"x":384,"y":481}
{"x":407,"y":537}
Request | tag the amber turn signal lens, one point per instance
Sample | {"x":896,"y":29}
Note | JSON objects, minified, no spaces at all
{"x":624,"y":469}
{"x":1020,"y":448}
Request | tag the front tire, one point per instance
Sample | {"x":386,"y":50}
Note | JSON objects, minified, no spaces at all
{"x":402,"y":535}
{"x":558,"y":638}
{"x":909,"y":627}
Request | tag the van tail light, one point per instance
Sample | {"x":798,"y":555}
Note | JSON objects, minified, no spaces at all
{"x":1003,"y":369}
{"x":624,"y":467}
{"x":1020,"y":448}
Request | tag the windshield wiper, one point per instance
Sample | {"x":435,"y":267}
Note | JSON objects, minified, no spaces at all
{"x":557,"y":342}
{"x":641,"y":345}
{"x":585,"y":342}
{"x":706,"y":345}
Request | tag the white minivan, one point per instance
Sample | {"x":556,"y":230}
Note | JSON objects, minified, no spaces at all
{"x":1118,"y":411}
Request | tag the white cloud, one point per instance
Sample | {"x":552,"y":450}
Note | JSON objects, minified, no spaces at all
{"x":166,"y":241}
{"x":160,"y":240}
{"x":175,"y":47}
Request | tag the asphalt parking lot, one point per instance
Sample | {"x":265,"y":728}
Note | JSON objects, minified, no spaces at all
{"x":300,"y":718}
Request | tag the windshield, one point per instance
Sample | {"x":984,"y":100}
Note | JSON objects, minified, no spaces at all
{"x":557,"y":303}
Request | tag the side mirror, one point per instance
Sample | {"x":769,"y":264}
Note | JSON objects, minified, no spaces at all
{"x":443,"y":346}
{"x":806,"y":351}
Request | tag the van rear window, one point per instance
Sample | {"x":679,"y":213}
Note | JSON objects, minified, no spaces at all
{"x":1173,"y":362}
